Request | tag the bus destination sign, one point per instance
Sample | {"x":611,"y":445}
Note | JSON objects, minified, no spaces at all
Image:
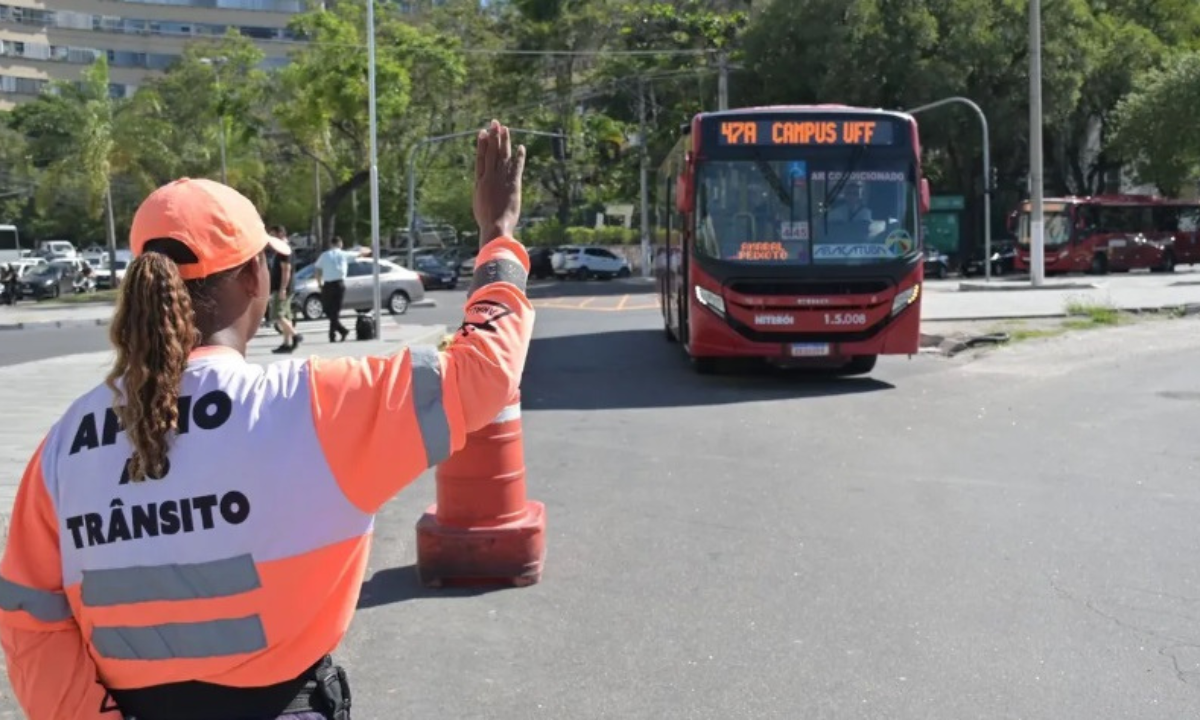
{"x":760,"y":133}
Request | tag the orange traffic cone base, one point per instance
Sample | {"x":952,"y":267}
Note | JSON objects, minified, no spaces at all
{"x":509,"y":554}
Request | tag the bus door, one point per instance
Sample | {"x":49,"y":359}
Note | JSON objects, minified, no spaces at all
{"x":1120,"y":228}
{"x":1155,"y":238}
{"x":1187,"y":244}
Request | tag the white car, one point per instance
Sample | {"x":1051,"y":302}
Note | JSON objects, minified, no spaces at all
{"x":399,"y":287}
{"x":588,"y":261}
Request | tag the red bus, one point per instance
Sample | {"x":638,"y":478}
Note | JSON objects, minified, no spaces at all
{"x":792,"y":234}
{"x":1116,"y":233}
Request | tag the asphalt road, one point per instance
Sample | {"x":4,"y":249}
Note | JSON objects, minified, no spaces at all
{"x":1008,"y":536}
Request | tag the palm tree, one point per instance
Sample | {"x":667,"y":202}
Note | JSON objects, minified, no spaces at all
{"x":100,"y":149}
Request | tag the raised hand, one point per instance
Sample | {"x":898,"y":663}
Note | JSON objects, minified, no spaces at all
{"x":498,"y":174}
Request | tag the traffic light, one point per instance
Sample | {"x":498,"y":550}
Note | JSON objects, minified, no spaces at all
{"x":994,"y":180}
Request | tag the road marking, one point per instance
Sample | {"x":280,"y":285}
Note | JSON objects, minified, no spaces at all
{"x":600,"y":303}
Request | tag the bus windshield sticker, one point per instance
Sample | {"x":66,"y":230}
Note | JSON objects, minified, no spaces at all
{"x":899,"y":242}
{"x":793,"y":230}
{"x":861,"y":175}
{"x":761,"y":251}
{"x":852,"y":252}
{"x":798,"y":172}
{"x":806,"y":132}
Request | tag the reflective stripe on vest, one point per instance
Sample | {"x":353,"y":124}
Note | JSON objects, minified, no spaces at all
{"x":48,"y":607}
{"x":427,"y":397}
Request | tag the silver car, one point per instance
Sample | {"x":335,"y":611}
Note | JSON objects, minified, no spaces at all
{"x":399,"y":287}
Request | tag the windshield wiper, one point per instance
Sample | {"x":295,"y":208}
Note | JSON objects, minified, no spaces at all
{"x":856,"y":156}
{"x":773,"y":180}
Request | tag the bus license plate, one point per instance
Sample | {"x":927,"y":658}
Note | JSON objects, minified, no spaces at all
{"x":810,"y":350}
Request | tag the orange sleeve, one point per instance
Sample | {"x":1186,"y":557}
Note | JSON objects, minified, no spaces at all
{"x":51,"y":672}
{"x":383,"y":421}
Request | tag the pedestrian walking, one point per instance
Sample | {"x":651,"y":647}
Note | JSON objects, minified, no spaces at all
{"x":331,"y":269}
{"x":281,"y":292}
{"x":189,"y":539}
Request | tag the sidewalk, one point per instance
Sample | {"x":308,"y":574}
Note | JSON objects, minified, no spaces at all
{"x":38,"y":392}
{"x":1004,"y":298}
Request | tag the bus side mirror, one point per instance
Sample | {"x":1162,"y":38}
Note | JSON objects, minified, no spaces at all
{"x":924,"y":195}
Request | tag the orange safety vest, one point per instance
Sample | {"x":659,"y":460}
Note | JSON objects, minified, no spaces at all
{"x":242,"y":565}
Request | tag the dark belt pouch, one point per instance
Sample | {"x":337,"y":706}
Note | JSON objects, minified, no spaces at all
{"x":323,"y":688}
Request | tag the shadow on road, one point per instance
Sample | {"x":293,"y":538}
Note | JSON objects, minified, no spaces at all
{"x":400,"y":584}
{"x":640,"y":369}
{"x":590,"y":288}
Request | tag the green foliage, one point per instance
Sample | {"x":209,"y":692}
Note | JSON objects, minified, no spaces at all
{"x":1124,"y":71}
{"x":1155,"y":125}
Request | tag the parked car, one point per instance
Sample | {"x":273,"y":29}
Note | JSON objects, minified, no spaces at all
{"x":435,"y":274}
{"x":540,"y":265}
{"x":101,"y":273}
{"x":584,"y":262}
{"x":47,"y":281}
{"x":1004,"y":253}
{"x":399,"y":287}
{"x":937,"y":263}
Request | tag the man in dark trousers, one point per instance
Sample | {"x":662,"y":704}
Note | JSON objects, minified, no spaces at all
{"x":331,"y":269}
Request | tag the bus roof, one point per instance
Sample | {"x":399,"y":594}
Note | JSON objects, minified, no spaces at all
{"x":814,"y":109}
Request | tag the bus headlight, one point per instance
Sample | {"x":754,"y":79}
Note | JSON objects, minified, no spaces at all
{"x":906,"y":298}
{"x":713,"y":301}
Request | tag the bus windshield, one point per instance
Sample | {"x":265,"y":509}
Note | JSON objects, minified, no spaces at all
{"x":1057,"y":227}
{"x":807,"y":212}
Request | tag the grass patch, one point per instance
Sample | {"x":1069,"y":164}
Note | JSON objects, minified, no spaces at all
{"x":1034,"y":333}
{"x":100,"y":296}
{"x":1084,"y":315}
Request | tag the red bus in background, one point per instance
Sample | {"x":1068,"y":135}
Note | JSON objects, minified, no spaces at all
{"x":1112,"y":233}
{"x":792,"y":234}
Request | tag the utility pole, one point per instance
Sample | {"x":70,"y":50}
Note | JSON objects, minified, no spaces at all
{"x":376,"y":288}
{"x":1037,"y":225}
{"x":723,"y":82}
{"x":110,"y":230}
{"x":318,"y":231}
{"x":643,"y":142}
{"x":216,"y":64}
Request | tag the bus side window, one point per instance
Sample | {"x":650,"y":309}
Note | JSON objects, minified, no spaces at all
{"x":1189,"y":220}
{"x":1166,"y":219}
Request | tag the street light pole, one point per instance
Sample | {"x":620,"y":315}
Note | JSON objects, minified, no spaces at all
{"x":375,"y":250}
{"x":987,"y":175}
{"x":1037,"y":225}
{"x":215,"y":64}
{"x":412,"y":177}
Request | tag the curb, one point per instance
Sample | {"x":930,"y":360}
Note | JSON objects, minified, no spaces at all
{"x":94,"y":322}
{"x":976,"y":287}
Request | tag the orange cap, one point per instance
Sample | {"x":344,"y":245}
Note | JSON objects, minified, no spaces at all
{"x":217,"y":223}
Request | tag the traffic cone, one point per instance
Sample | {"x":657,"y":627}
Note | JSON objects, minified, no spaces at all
{"x":483,"y":530}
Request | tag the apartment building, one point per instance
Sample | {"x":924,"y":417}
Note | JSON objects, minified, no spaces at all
{"x":43,"y":40}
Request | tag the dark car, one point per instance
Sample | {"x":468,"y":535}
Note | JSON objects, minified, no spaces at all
{"x":539,"y":263}
{"x":1004,"y":253}
{"x":47,"y":281}
{"x":435,"y":274}
{"x":937,"y":263}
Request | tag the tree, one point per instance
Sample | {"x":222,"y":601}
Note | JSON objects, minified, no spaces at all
{"x":1155,"y":125}
{"x":215,"y":86}
{"x":323,"y":94}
